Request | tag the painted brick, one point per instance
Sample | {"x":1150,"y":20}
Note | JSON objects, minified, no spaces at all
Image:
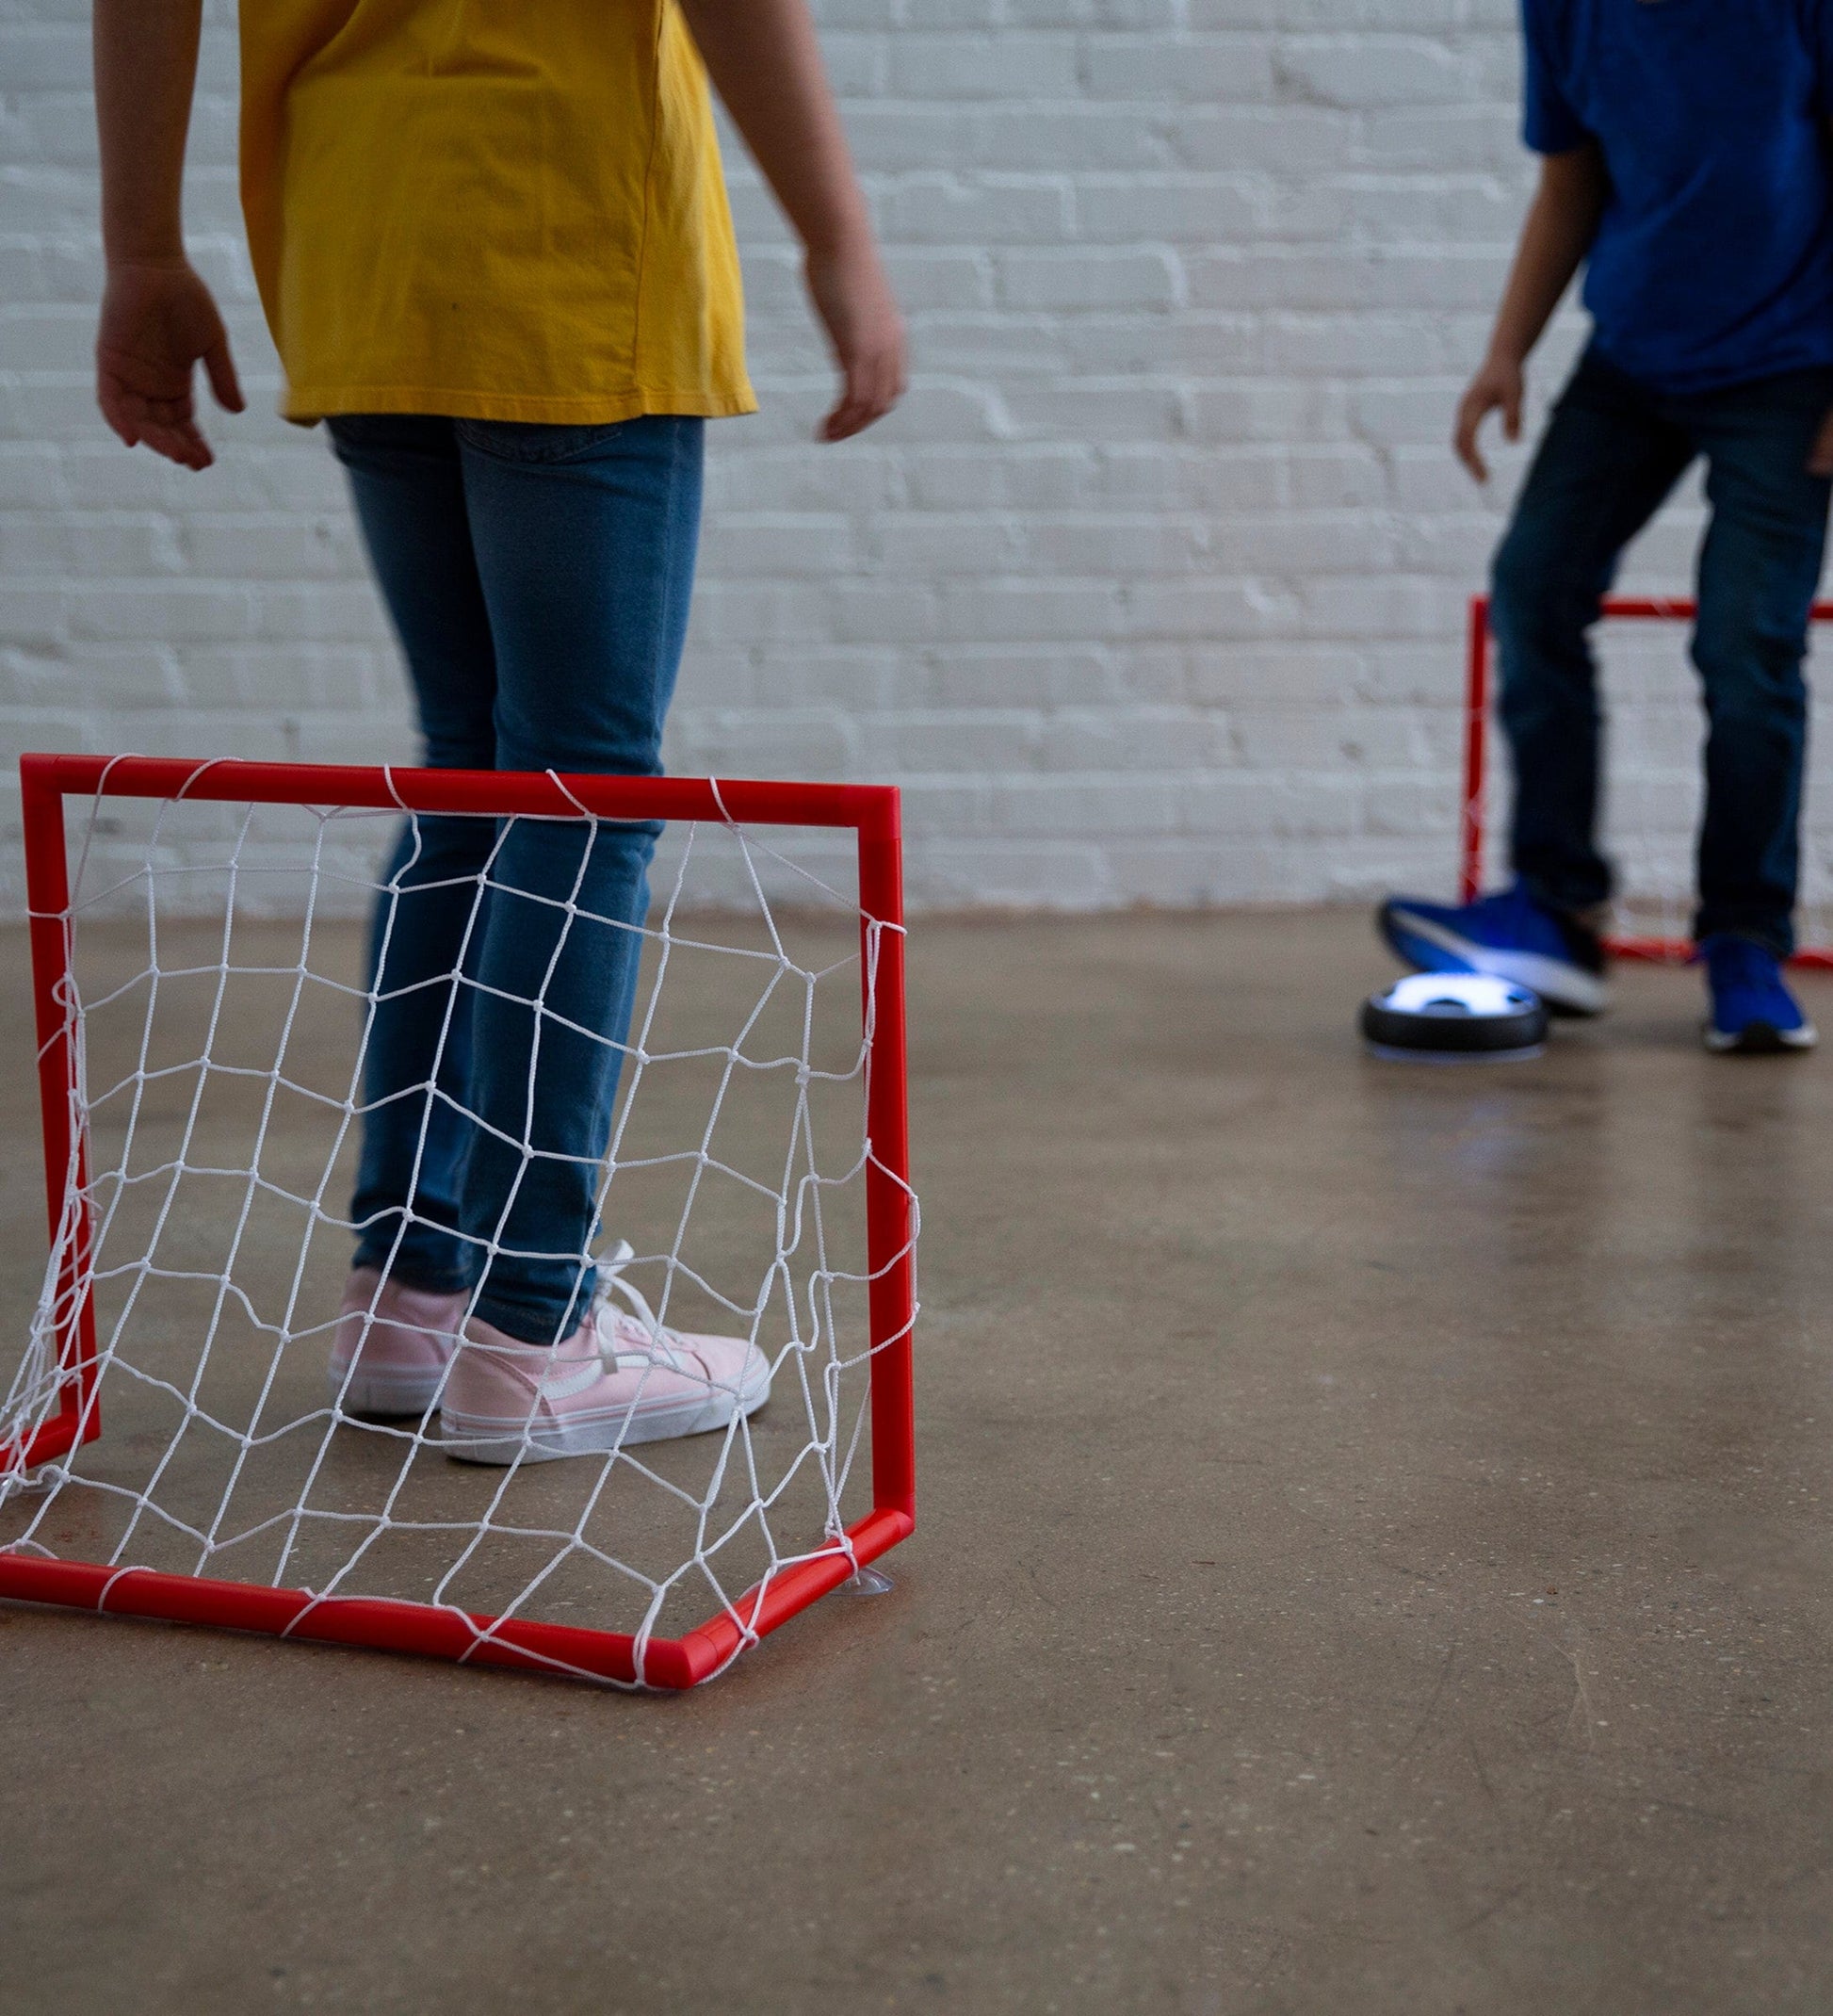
{"x":1138,"y":281}
{"x":1201,"y":68}
{"x":1365,"y":70}
{"x":931,"y":68}
{"x":950,"y":208}
{"x":1181,"y":208}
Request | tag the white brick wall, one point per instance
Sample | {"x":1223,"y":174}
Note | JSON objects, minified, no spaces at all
{"x":1150,"y":591}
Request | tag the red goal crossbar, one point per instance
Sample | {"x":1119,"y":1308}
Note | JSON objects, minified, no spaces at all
{"x":1472,"y":826}
{"x":871,"y":811}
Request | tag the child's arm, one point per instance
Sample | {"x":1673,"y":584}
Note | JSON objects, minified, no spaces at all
{"x":158,"y":321}
{"x":766,"y":64}
{"x":1561,"y":223}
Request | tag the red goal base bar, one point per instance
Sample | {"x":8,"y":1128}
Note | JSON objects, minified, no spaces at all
{"x":872,"y":812}
{"x":1473,"y":823}
{"x":461,"y":1636}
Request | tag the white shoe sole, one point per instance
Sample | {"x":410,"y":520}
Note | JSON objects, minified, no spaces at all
{"x":1555,"y":981}
{"x":472,"y":1439}
{"x":381,"y":1392}
{"x":1771,"y":1042}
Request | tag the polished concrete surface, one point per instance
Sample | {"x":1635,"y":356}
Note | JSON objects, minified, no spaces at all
{"x":1374,"y":1556}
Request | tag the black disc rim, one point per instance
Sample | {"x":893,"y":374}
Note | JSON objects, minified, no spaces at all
{"x":1469,"y":1034}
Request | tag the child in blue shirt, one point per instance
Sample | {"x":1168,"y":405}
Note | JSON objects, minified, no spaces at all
{"x":1686,"y":166}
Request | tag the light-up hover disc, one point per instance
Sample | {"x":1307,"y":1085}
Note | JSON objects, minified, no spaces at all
{"x":1474,"y":1017}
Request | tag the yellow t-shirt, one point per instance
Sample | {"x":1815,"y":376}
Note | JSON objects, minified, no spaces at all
{"x":496,"y":209}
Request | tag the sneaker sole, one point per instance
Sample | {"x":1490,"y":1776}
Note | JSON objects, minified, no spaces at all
{"x":1565,"y":988}
{"x":1760,"y":1040}
{"x":469,"y":1440}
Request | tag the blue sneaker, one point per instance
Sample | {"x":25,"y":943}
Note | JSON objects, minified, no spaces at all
{"x":1753,"y":1015}
{"x":1508,"y":935}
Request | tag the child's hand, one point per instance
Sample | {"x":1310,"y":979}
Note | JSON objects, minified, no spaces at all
{"x":158,"y":324}
{"x":1819,"y":457}
{"x":855,"y":302}
{"x":1500,"y":383}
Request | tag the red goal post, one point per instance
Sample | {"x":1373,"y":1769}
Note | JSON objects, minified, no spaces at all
{"x":1472,"y":824}
{"x":870,"y":812}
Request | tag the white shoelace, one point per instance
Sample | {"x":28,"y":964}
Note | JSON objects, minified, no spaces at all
{"x":628,"y":1339}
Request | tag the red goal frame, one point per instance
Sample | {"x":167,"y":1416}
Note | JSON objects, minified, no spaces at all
{"x":1472,"y":820}
{"x":871,"y":812}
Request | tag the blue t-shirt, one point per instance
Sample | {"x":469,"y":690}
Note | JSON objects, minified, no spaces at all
{"x":1714,"y":262}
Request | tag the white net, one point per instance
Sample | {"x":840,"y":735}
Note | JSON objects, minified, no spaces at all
{"x":1654,"y":733}
{"x":222,"y":999}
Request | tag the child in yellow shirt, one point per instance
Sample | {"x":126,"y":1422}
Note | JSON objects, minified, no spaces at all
{"x":493,"y":247}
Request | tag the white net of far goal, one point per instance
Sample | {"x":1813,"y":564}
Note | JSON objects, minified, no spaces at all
{"x":232,"y":965}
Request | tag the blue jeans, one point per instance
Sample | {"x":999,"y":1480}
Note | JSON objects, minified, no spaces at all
{"x":1613,"y":451}
{"x":539,"y":580}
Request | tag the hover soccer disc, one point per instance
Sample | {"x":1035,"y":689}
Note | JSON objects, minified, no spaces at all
{"x":1448,"y":1017}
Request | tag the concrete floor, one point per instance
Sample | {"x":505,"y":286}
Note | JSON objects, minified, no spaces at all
{"x":1374,"y":1556}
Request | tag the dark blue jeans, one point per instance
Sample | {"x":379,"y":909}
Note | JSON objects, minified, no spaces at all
{"x":539,"y":580}
{"x":1613,"y":451}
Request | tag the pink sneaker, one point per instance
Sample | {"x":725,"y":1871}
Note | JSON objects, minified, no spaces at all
{"x":620,"y":1378}
{"x":401,"y":1341}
